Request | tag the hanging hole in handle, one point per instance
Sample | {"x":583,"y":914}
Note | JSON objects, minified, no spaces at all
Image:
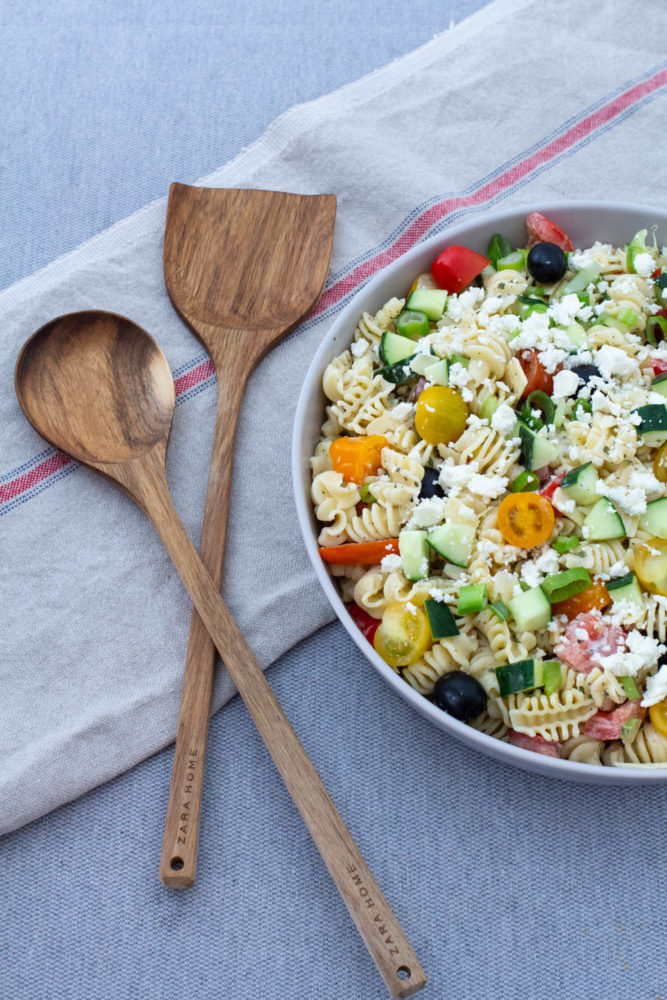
{"x":403,"y":972}
{"x":176,"y":864}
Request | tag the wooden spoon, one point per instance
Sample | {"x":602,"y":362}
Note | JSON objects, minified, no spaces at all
{"x":242,"y":268}
{"x":99,"y":388}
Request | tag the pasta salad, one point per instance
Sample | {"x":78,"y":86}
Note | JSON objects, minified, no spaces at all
{"x":491,"y":489}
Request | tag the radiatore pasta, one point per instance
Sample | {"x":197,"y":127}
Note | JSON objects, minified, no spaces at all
{"x":519,"y":470}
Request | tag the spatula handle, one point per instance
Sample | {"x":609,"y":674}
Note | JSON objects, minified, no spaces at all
{"x":178,"y":862}
{"x":379,"y":928}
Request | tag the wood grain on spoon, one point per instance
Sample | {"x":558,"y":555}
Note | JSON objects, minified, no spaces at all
{"x":242,"y":268}
{"x":98,"y":387}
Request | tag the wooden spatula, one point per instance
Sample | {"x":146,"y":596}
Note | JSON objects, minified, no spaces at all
{"x":242,"y":268}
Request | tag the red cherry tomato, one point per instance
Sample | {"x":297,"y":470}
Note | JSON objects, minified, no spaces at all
{"x":455,"y":268}
{"x":659,"y":366}
{"x":549,"y":490}
{"x":537,"y":375}
{"x":367,"y":625}
{"x":656,"y":273}
{"x":543,"y":230}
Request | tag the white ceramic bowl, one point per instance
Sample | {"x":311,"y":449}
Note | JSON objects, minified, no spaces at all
{"x":585,"y":222}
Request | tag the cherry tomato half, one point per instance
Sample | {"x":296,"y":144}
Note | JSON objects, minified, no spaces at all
{"x":651,"y":565}
{"x":525,"y":519}
{"x":658,"y":716}
{"x":543,"y":230}
{"x":594,"y":597}
{"x":659,"y":366}
{"x":537,"y":375}
{"x":660,"y":464}
{"x":367,"y":626}
{"x":456,"y":267}
{"x":403,"y":635}
{"x":551,"y":487}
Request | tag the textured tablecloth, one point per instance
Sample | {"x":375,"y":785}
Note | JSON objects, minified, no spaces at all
{"x":509,"y":886}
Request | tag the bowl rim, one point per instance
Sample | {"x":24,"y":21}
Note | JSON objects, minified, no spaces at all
{"x":347,"y":320}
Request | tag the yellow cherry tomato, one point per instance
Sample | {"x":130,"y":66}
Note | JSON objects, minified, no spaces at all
{"x":403,"y":635}
{"x":424,"y":280}
{"x":660,"y":463}
{"x":651,"y":565}
{"x":441,"y":415}
{"x":658,"y":715}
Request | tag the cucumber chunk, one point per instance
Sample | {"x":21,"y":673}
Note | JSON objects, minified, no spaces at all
{"x":438,"y":373}
{"x":520,"y":676}
{"x":489,"y":407}
{"x":431,"y":301}
{"x":654,"y":518}
{"x":531,"y":610}
{"x":420,"y":362}
{"x":454,"y":542}
{"x":626,"y":589}
{"x":414,"y":553}
{"x":536,"y":451}
{"x":441,"y":620}
{"x":653,"y":428}
{"x":582,"y":279}
{"x":603,"y":522}
{"x":659,"y":384}
{"x":551,"y":676}
{"x":394,"y":348}
{"x":579,"y":484}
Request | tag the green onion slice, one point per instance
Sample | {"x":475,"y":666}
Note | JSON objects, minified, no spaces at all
{"x":500,"y":610}
{"x":513,"y":261}
{"x":559,"y":586}
{"x":629,"y":686}
{"x":366,"y":495}
{"x":527,"y":482}
{"x":412,"y":323}
{"x":565,"y":543}
{"x":472,"y":598}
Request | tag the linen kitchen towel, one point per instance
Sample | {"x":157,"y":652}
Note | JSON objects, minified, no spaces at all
{"x":524,"y":102}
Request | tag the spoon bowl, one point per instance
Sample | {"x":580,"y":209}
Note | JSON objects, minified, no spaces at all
{"x":97,"y":386}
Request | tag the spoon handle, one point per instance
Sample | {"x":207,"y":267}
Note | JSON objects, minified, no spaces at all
{"x":178,"y":861}
{"x":378,"y":926}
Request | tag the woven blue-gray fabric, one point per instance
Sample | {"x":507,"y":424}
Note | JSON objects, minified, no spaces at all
{"x":509,"y":886}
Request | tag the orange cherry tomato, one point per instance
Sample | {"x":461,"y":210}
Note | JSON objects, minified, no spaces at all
{"x":594,"y":597}
{"x":357,"y":458}
{"x":537,"y":375}
{"x":658,"y":716}
{"x":525,"y":519}
{"x":360,"y":553}
{"x":441,"y":414}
